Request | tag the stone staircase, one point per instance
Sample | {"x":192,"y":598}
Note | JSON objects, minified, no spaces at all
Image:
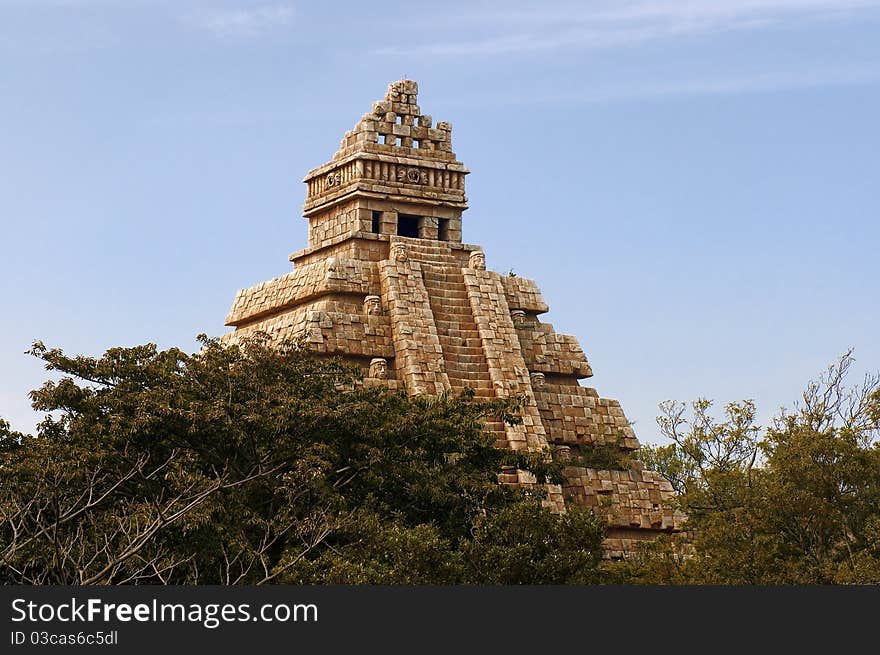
{"x":456,"y":330}
{"x":462,"y":349}
{"x":463,"y":358}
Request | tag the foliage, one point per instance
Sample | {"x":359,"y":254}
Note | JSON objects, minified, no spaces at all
{"x":606,"y":457}
{"x":797,"y":503}
{"x":257,"y":464}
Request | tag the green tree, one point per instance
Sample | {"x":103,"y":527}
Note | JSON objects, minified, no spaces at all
{"x":257,"y":464}
{"x":796,"y":503}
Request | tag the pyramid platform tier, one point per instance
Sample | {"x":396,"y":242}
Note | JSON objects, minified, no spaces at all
{"x":386,"y":282}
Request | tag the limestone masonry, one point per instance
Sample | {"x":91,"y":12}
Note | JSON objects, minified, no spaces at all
{"x":387,"y":282}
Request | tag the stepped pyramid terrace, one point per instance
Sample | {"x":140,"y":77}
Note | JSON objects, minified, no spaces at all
{"x":387,"y":282}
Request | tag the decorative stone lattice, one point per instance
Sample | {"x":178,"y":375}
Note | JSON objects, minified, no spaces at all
{"x":387,"y":282}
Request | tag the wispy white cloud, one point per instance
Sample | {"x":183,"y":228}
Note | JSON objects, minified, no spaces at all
{"x":755,"y":83}
{"x":244,"y":23}
{"x":45,"y":27}
{"x":82,"y":4}
{"x":622,"y":23}
{"x":632,"y":10}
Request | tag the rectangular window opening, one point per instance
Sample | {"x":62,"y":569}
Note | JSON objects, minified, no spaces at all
{"x":377,"y":220}
{"x":408,"y":226}
{"x":443,"y":229}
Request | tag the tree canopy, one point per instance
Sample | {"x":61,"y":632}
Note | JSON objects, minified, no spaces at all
{"x":255,"y":464}
{"x":259,"y":463}
{"x":795,"y":503}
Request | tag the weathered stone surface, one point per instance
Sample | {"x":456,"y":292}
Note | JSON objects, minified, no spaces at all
{"x":387,"y":282}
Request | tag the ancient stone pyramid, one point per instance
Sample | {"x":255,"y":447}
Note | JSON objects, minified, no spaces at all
{"x":386,"y":281}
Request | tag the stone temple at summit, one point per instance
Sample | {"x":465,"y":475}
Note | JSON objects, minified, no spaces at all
{"x":387,"y":282}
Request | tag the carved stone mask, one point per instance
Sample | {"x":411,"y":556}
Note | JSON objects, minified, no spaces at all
{"x":538,"y":380}
{"x":379,"y":368}
{"x":519,"y":317}
{"x":477,"y":260}
{"x":372,"y":305}
{"x":562,"y":453}
{"x":398,"y":252}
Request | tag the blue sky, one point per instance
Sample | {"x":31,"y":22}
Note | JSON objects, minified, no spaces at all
{"x":693,"y":184}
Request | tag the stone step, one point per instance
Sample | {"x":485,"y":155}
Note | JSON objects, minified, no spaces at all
{"x":466,"y":372}
{"x":464,"y":360}
{"x":462,"y":338}
{"x":431,"y":257}
{"x":451,"y":322}
{"x":444,"y":273}
{"x":479,"y":392}
{"x":435,"y":280}
{"x":470,"y":359}
{"x":452,"y":317}
{"x":443,"y":299}
{"x":434,"y":277}
{"x":463,"y":351}
{"x":455,"y":328}
{"x":458,"y":311}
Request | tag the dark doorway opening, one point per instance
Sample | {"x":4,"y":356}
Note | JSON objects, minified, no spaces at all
{"x":443,"y":229}
{"x":408,"y":226}
{"x":374,"y":228}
